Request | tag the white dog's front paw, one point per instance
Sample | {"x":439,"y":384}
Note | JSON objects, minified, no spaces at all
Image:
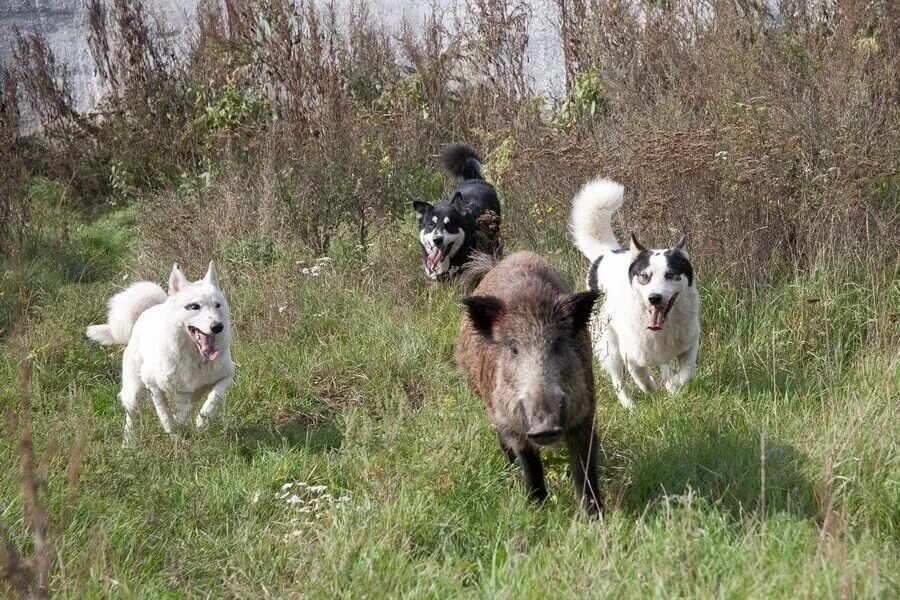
{"x":673,"y":386}
{"x":648,"y":386}
{"x":202,"y":421}
{"x":626,"y":402}
{"x":182,"y":413}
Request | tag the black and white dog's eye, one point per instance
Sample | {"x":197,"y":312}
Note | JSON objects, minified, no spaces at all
{"x":644,"y":278}
{"x":192,"y":306}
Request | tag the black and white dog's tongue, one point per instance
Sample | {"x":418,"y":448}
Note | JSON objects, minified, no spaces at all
{"x":658,"y":314}
{"x":435,"y":258}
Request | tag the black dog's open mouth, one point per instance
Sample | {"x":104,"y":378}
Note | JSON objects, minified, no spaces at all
{"x":205,"y":342}
{"x":435,"y":258}
{"x":658,"y":314}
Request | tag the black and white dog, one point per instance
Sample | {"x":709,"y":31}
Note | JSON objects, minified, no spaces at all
{"x":449,"y":231}
{"x":651,"y":313}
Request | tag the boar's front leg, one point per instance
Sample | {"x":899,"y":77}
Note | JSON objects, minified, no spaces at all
{"x":532,"y":470}
{"x":507,"y":449}
{"x":532,"y":473}
{"x":529,"y":459}
{"x":582,"y":445}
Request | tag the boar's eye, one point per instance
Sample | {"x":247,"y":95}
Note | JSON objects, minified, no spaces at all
{"x":513,"y":349}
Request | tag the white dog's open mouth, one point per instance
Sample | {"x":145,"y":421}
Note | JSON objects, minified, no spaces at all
{"x":205,"y":342}
{"x":658,"y":314}
{"x":435,"y":258}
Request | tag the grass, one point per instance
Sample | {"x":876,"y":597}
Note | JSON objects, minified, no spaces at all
{"x":774,"y":474}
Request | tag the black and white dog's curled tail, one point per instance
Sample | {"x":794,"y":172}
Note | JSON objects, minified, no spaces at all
{"x":460,"y":160}
{"x":592,"y":281}
{"x":478,"y":266}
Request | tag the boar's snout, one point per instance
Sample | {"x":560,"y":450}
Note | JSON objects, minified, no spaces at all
{"x":544,"y":435}
{"x":542,"y":414}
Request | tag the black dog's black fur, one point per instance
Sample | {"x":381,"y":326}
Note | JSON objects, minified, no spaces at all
{"x":472,"y":198}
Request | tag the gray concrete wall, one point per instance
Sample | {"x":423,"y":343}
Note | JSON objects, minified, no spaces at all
{"x":64,"y":24}
{"x":545,"y":65}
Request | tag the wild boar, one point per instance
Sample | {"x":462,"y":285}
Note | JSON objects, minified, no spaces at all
{"x":524,"y":347}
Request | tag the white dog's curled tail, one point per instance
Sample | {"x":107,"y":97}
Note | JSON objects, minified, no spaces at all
{"x":590,"y":220}
{"x":124,"y":309}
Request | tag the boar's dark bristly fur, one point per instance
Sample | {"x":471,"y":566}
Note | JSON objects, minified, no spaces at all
{"x":525,"y":348}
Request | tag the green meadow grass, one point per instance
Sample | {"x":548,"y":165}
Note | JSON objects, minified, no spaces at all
{"x":775,"y":473}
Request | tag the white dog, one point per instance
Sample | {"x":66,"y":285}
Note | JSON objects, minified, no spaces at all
{"x":177,"y":345}
{"x":651,"y":313}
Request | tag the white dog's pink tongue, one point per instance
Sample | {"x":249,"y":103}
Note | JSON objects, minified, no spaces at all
{"x":205,"y":343}
{"x":656,"y":318}
{"x":435,"y":258}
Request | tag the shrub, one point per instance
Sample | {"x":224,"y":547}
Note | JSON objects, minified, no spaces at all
{"x":765,"y":135}
{"x":13,"y":204}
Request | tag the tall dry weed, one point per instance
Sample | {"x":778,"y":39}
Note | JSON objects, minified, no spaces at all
{"x":13,"y":203}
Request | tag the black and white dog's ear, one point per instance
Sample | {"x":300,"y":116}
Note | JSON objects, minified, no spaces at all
{"x":421,"y":208}
{"x":457,"y":202}
{"x":681,"y":244}
{"x":635,"y":248}
{"x":484,"y":313}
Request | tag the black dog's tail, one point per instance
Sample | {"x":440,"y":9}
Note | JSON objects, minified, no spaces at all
{"x":461,"y":160}
{"x":474,"y":271}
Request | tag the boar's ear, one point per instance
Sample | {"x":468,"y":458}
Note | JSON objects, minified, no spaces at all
{"x":578,"y":308}
{"x":484,"y":312}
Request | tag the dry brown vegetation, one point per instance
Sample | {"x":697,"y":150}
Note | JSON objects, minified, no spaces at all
{"x":27,"y":574}
{"x":12,"y":196}
{"x":768,"y":135}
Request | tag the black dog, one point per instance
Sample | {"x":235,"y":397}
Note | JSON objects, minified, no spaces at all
{"x":450,"y":231}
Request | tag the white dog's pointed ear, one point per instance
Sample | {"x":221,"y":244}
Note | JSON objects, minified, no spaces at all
{"x":635,"y":247}
{"x":211,"y":276}
{"x":177,"y":280}
{"x":681,"y":244}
